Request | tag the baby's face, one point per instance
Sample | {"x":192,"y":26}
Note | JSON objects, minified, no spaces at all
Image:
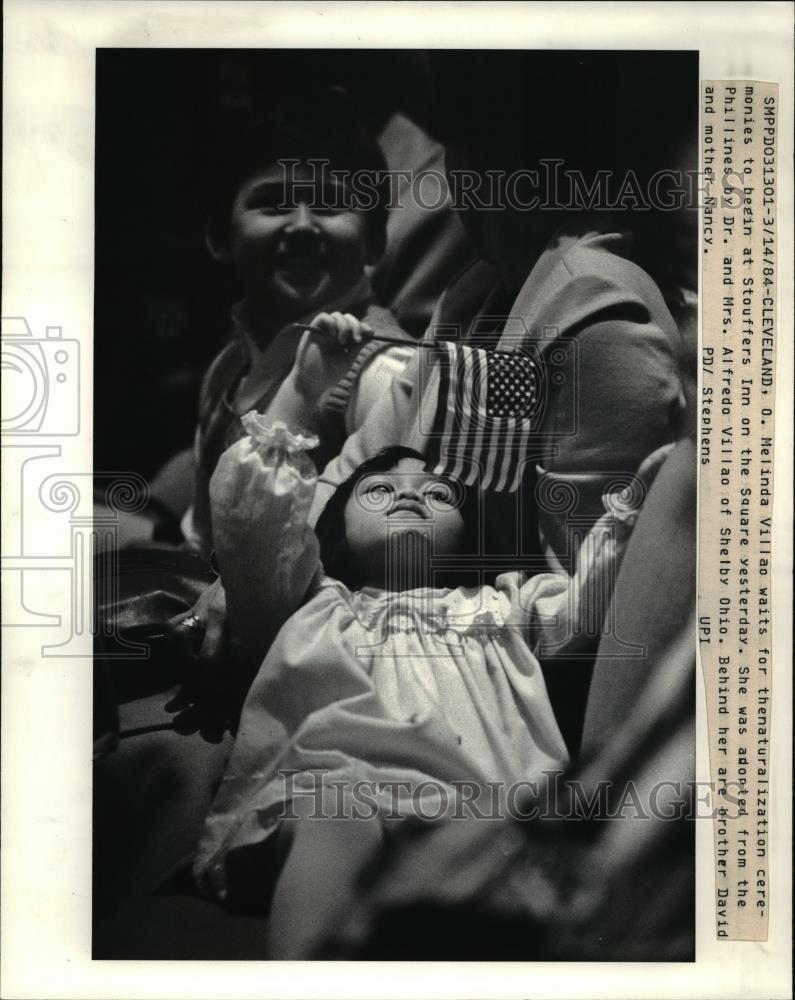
{"x":404,"y":501}
{"x":295,"y":245}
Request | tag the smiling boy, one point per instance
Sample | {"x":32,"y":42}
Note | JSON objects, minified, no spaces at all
{"x":297,"y":245}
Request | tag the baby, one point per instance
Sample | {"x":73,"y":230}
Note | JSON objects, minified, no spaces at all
{"x":386,"y":690}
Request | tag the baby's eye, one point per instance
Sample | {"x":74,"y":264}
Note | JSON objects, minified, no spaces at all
{"x":379,"y":490}
{"x":440,"y":493}
{"x":375,"y":496}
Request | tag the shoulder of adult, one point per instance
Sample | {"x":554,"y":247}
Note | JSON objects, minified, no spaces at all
{"x":579,"y":280}
{"x":610,"y":255}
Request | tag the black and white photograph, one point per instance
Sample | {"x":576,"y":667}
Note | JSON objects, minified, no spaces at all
{"x":401,"y":346}
{"x":397,"y":500}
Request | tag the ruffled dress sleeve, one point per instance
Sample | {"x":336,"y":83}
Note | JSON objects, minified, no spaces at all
{"x":565,"y":615}
{"x":268,"y":557}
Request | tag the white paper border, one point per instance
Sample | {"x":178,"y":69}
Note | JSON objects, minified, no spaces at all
{"x":48,"y":278}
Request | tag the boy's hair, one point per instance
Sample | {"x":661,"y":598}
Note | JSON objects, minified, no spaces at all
{"x":335,"y":553}
{"x":324,"y":126}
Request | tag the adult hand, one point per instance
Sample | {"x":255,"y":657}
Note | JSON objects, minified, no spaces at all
{"x":208,"y":687}
{"x":201,"y":631}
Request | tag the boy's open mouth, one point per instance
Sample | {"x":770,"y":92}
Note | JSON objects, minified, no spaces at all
{"x":300,"y":261}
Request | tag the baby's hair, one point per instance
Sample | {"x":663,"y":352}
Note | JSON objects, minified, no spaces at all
{"x":330,"y":528}
{"x":324,"y":125}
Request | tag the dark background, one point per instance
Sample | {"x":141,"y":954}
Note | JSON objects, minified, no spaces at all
{"x":161,"y":304}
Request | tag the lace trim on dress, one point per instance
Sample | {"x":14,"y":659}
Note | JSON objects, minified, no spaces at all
{"x":266,"y":434}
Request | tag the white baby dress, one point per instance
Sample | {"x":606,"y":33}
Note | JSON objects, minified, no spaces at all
{"x":396,"y":701}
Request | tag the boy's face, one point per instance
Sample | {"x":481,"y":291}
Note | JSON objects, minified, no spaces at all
{"x":295,"y":245}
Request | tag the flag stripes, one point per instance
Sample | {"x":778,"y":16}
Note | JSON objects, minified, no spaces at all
{"x":485,"y":408}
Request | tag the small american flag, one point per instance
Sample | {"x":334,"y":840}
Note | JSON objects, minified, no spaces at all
{"x":487,"y":406}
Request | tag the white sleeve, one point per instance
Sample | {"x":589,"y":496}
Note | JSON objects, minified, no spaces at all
{"x":566,"y":615}
{"x":374,"y":382}
{"x":267,"y":555}
{"x":386,"y":424}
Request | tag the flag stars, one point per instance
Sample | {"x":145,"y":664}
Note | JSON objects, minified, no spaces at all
{"x":492,"y":398}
